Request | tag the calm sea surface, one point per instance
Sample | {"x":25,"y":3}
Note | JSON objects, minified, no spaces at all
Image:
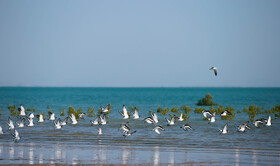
{"x":79,"y":144}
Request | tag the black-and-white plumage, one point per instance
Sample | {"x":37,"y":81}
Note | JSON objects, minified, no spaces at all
{"x":180,"y":118}
{"x":95,"y":122}
{"x":124,"y":127}
{"x":124,"y":113}
{"x":16,"y":135}
{"x":215,"y":69}
{"x":268,"y":122}
{"x":10,"y":124}
{"x":225,"y":113}
{"x":170,"y":122}
{"x":135,"y":114}
{"x":57,"y":124}
{"x":21,"y":124}
{"x":206,"y":114}
{"x":64,"y":122}
{"x":126,"y":134}
{"x":224,"y":130}
{"x":156,"y":129}
{"x":82,"y":115}
{"x":154,"y":116}
{"x":40,"y":118}
{"x":258,"y":122}
{"x":149,"y":120}
{"x":106,"y":109}
{"x":212,"y":118}
{"x":31,"y":115}
{"x":21,"y":110}
{"x":186,"y":127}
{"x":51,"y":116}
{"x":103,"y":120}
{"x":243,"y":127}
{"x":73,"y":119}
{"x":30,"y":120}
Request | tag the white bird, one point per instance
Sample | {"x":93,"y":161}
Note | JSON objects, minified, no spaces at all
{"x":64,"y":122}
{"x":135,"y":114}
{"x":103,"y":120}
{"x":22,"y":111}
{"x":170,"y":122}
{"x":95,"y":122}
{"x":106,"y":109}
{"x":224,"y":130}
{"x":99,"y":131}
{"x":11,"y":124}
{"x":149,"y":120}
{"x":225,"y":113}
{"x":243,"y":127}
{"x":156,"y":129}
{"x":154,"y":116}
{"x":212,"y":119}
{"x":16,"y":136}
{"x":268,"y":122}
{"x":215,"y":69}
{"x":21,"y":124}
{"x":206,"y":113}
{"x":40,"y":118}
{"x":82,"y":115}
{"x":31,"y":115}
{"x":57,"y":124}
{"x":181,"y":117}
{"x":124,"y":127}
{"x":52,"y":116}
{"x":1,"y":130}
{"x":73,"y":119}
{"x":126,"y":134}
{"x":30,"y":122}
{"x":186,"y":127}
{"x":259,"y":121}
{"x":124,"y":113}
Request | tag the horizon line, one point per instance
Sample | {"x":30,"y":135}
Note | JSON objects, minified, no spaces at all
{"x":139,"y":86}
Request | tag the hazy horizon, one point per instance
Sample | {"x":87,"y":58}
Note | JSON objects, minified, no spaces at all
{"x":139,"y":43}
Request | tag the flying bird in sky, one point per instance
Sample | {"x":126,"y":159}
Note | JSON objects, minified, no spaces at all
{"x":214,"y":69}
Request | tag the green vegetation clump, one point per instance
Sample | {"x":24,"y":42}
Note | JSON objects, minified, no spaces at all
{"x":175,"y":110}
{"x":199,"y":110}
{"x":31,"y":109}
{"x":43,"y":113}
{"x":252,"y":111}
{"x":90,"y":112}
{"x":206,"y":101}
{"x":13,"y":111}
{"x":274,"y":111}
{"x":62,"y":113}
{"x":72,"y":110}
{"x":162,"y":111}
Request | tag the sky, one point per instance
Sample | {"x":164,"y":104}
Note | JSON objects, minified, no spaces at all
{"x":140,"y":43}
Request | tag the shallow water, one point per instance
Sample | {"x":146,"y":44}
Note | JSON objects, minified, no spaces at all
{"x":79,"y":144}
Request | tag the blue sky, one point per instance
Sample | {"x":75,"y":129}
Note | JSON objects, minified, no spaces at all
{"x":140,"y":43}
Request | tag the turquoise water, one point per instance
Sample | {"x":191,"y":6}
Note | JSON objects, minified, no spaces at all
{"x":43,"y":144}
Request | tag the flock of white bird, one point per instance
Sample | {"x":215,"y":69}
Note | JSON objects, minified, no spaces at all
{"x":124,"y":128}
{"x":102,"y":120}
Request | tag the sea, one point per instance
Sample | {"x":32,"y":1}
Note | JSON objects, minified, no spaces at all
{"x":81,"y":144}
